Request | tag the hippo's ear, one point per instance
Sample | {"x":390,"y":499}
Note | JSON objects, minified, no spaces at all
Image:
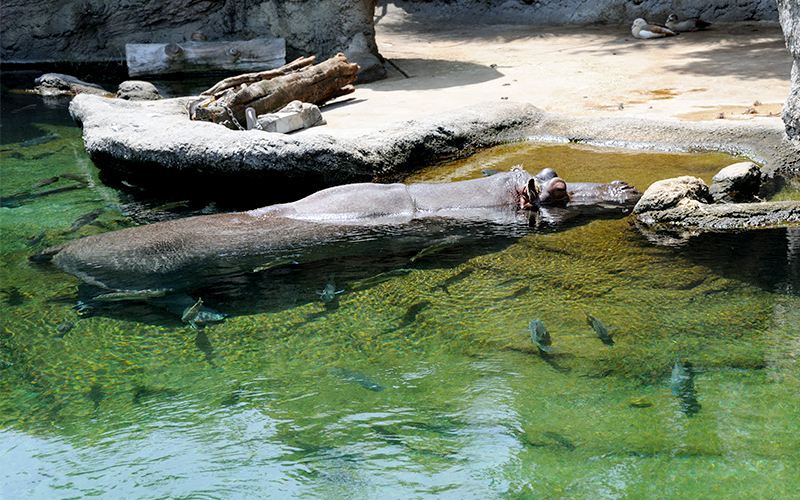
{"x":533,"y":189}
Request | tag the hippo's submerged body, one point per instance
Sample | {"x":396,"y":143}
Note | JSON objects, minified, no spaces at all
{"x":336,"y":222}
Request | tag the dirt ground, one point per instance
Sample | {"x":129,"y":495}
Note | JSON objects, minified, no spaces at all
{"x":738,"y":71}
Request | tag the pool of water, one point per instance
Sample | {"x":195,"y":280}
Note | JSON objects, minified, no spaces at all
{"x":424,"y":385}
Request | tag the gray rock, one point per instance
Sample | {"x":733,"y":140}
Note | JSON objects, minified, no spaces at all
{"x":137,"y":90}
{"x":53,"y":84}
{"x":669,"y":193}
{"x":681,"y":204}
{"x":737,"y":183}
{"x":294,"y":116}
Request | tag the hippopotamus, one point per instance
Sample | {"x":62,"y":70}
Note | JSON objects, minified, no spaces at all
{"x":167,"y":257}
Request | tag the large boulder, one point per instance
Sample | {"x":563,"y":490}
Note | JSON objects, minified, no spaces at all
{"x":789,"y":11}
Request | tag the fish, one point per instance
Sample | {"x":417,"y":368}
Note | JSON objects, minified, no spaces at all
{"x":141,"y":392}
{"x":64,"y":328}
{"x":411,"y":315}
{"x":23,"y":108}
{"x":190,"y":313}
{"x":560,"y":440}
{"x":73,"y":177}
{"x":12,"y":296}
{"x":540,"y":336}
{"x":18,"y":199}
{"x":96,"y":395}
{"x":517,"y":294}
{"x":133,"y":295}
{"x":278,"y":262}
{"x":168,"y":206}
{"x":439,"y":245}
{"x":45,"y":182}
{"x":329,"y":292}
{"x":681,"y":383}
{"x":380,"y":278}
{"x":599,"y":328}
{"x":204,"y":345}
{"x":359,"y":378}
{"x":86,"y":219}
{"x":36,"y":141}
{"x":35,"y":240}
{"x":453,"y":279}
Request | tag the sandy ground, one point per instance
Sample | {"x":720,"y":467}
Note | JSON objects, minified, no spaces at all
{"x":735,"y":71}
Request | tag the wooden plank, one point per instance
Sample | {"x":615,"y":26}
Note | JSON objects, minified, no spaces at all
{"x":205,"y":57}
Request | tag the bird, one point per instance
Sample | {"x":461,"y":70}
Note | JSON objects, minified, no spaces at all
{"x":641,"y":29}
{"x":675,"y":24}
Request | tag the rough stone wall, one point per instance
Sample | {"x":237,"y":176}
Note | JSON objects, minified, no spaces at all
{"x":97,"y":30}
{"x":591,"y":11}
{"x":790,"y":23}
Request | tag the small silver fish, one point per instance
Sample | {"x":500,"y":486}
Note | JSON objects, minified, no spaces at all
{"x":37,"y":141}
{"x":540,"y":336}
{"x":168,"y":206}
{"x":45,"y":182}
{"x":190,"y":313}
{"x":280,"y":261}
{"x":599,"y":328}
{"x":439,"y":245}
{"x":87,"y":218}
{"x":132,"y":295}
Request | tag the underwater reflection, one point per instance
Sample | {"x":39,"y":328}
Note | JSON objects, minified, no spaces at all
{"x":681,"y":383}
{"x":767,"y":258}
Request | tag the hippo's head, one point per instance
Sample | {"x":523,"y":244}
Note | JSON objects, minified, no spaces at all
{"x":552,"y":188}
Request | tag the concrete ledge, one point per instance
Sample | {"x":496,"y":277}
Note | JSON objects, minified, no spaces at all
{"x":155,"y":144}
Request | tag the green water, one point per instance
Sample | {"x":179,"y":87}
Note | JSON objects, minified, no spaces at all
{"x":423,"y":386}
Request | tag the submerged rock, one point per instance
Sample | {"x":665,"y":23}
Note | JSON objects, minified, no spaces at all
{"x":53,"y":84}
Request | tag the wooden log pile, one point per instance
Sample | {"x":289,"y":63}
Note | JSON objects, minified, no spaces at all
{"x":267,"y":91}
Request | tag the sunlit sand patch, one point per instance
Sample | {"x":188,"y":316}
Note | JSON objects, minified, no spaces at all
{"x":757,"y":110}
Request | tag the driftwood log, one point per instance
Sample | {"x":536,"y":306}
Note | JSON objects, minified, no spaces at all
{"x":269,"y":91}
{"x":204,"y":57}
